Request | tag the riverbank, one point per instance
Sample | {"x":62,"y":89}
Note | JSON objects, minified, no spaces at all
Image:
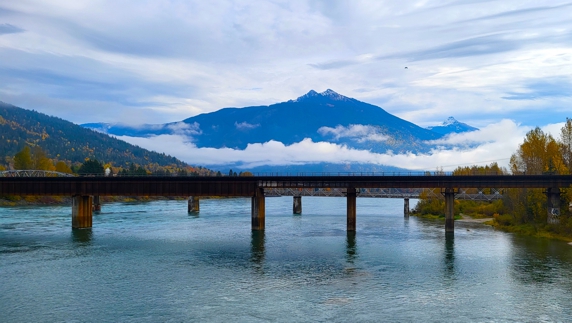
{"x":66,"y":200}
{"x":524,"y":229}
{"x":530,"y":230}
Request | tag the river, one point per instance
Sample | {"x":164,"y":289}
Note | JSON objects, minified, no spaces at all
{"x":152,"y":262}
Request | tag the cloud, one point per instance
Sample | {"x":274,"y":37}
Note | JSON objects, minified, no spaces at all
{"x":245,"y":125}
{"x":476,"y":46}
{"x":495,"y":143}
{"x":357,"y":132}
{"x":185,"y":129}
{"x":10,"y":29}
{"x":488,"y":134}
{"x":544,"y":88}
{"x":165,"y":61}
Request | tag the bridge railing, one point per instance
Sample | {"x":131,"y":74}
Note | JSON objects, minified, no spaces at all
{"x":33,"y":173}
{"x":40,"y":173}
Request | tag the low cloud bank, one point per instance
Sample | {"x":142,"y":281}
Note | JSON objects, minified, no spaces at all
{"x":496,"y":142}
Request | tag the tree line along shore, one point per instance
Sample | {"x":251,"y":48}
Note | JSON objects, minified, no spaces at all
{"x":519,"y":210}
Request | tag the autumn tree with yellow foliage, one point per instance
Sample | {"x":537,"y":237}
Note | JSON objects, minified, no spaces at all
{"x":540,"y":154}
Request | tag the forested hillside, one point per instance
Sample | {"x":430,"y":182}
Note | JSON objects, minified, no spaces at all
{"x":64,"y":141}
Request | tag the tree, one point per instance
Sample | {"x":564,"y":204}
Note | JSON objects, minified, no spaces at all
{"x":23,"y":159}
{"x":63,"y":167}
{"x":40,"y":160}
{"x":91,"y":167}
{"x":566,"y":144}
{"x":538,"y":154}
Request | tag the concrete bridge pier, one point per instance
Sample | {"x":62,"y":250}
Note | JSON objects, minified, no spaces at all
{"x":258,"y":209}
{"x":553,"y":205}
{"x":193,"y":205}
{"x":96,"y":204}
{"x":82,"y":211}
{"x":297,"y":205}
{"x":449,"y":210}
{"x":351,"y":209}
{"x":406,"y":207}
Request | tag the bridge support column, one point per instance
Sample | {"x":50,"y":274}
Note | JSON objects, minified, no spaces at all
{"x":193,"y":205}
{"x":351,"y":206}
{"x":258,"y":210}
{"x":449,"y":210}
{"x":82,"y":215}
{"x":297,"y":205}
{"x":96,"y":204}
{"x":406,"y":207}
{"x":553,"y":205}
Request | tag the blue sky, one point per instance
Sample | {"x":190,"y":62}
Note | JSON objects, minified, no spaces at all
{"x":165,"y":60}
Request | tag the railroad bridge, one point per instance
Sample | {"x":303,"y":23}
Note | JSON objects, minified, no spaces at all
{"x":86,"y":190}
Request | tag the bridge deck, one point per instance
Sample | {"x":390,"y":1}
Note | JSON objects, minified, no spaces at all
{"x":246,"y":186}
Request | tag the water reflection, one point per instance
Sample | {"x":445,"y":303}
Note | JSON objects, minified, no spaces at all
{"x":351,"y":248}
{"x":539,"y":261}
{"x":82,"y":236}
{"x":449,"y":256}
{"x":257,"y":249}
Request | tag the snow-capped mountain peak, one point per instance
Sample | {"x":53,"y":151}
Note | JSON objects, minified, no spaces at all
{"x":450,"y":121}
{"x":334,"y":95}
{"x":329,"y":93}
{"x":451,"y":125}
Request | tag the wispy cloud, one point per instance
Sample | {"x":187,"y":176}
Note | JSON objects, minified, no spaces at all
{"x":544,"y":88}
{"x":245,"y":125}
{"x":9,"y":29}
{"x":357,"y":132}
{"x":185,"y":129}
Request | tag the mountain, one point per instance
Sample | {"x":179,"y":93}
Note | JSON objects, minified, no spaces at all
{"x":326,"y":116}
{"x":66,"y":141}
{"x":451,"y":125}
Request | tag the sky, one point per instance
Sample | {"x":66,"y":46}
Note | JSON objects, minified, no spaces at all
{"x":502,"y":66}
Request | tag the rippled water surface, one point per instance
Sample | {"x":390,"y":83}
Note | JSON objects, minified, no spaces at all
{"x":152,"y":262}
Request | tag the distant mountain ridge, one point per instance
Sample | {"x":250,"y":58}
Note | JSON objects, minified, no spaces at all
{"x":326,"y":116}
{"x":66,"y":141}
{"x":451,"y":125}
{"x":322,"y":117}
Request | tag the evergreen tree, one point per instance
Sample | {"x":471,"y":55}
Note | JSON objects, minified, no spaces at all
{"x":91,"y":167}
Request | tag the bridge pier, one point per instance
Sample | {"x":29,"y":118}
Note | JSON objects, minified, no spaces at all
{"x":258,"y":209}
{"x":553,"y":205}
{"x":297,"y":205}
{"x":351,"y":209}
{"x":193,"y":204}
{"x":82,"y":215}
{"x":96,"y":204}
{"x":406,"y":207}
{"x":449,"y":210}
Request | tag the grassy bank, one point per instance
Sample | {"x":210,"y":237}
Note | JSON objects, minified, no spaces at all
{"x":562,"y":231}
